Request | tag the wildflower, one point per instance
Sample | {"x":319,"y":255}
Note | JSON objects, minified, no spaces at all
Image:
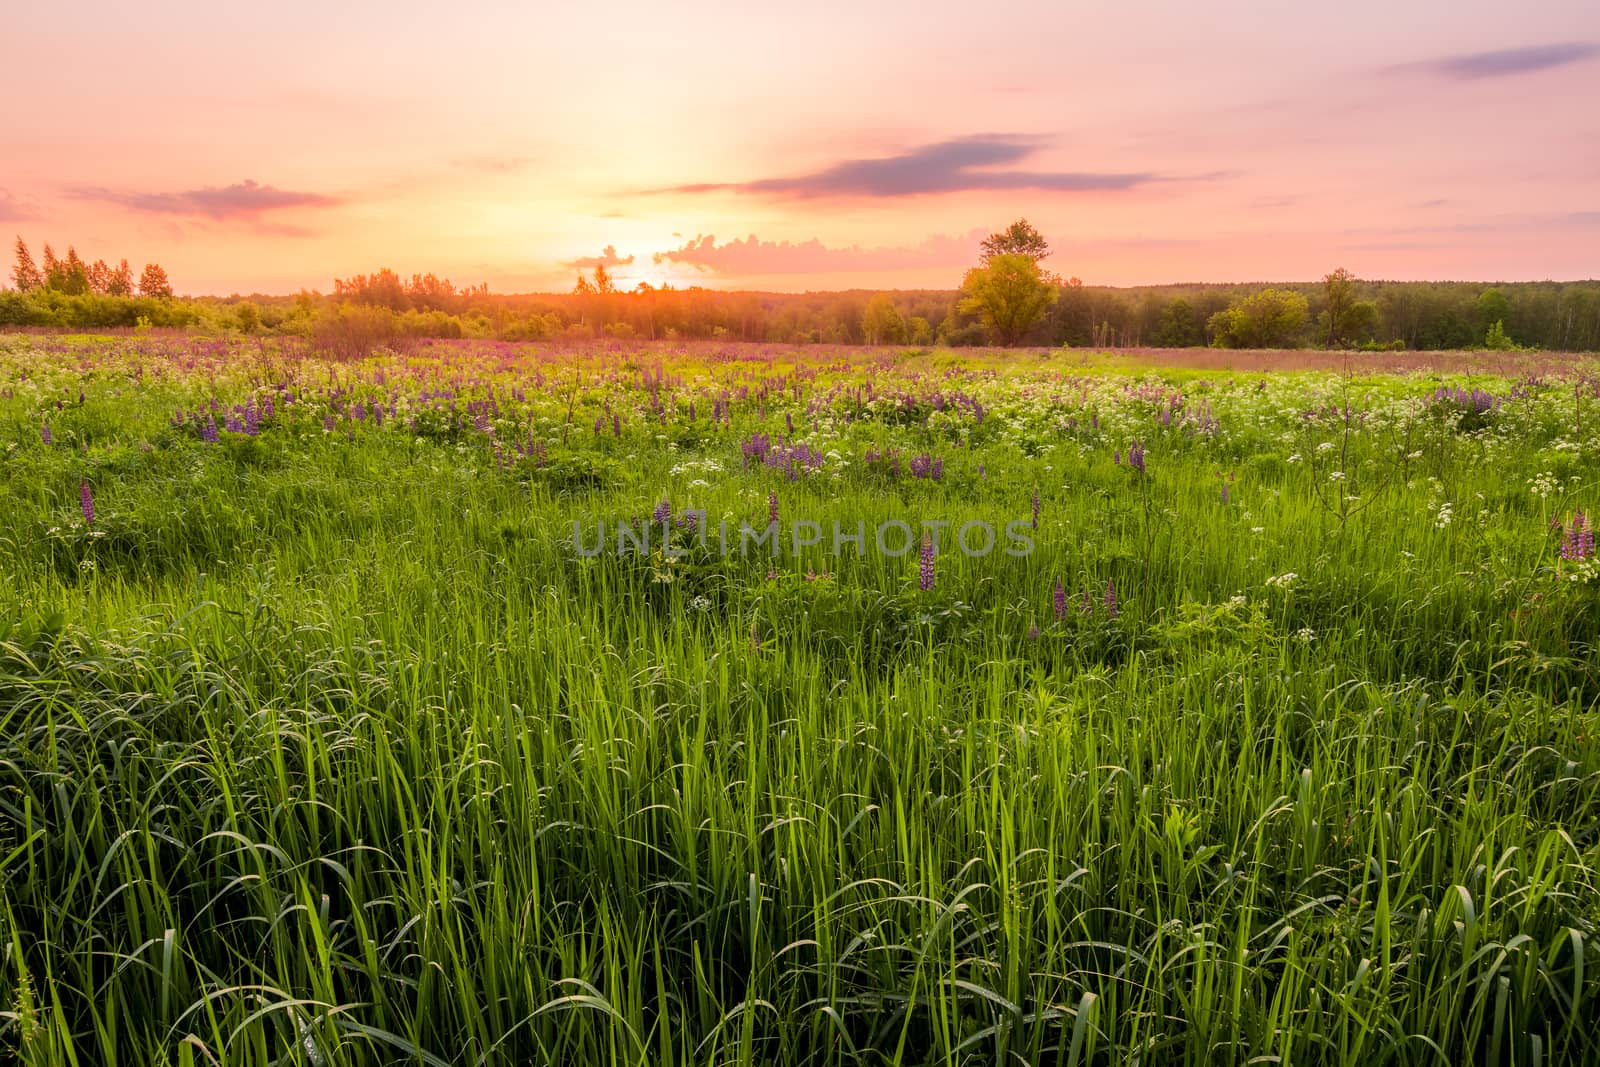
{"x":663,"y":512}
{"x":1086,"y":604}
{"x":44,"y":434}
{"x":1060,"y":601}
{"x":772,"y":508}
{"x":1136,"y":457}
{"x":1305,"y":635}
{"x":1577,"y":537}
{"x":1033,"y":632}
{"x":1036,"y":508}
{"x":86,"y":501}
{"x":925,"y":566}
{"x":1109,"y":600}
{"x":1282,"y":581}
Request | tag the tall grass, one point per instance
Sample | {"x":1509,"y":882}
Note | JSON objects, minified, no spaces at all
{"x":323,"y":744}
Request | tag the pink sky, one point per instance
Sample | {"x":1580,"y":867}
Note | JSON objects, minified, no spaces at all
{"x":820,"y":146}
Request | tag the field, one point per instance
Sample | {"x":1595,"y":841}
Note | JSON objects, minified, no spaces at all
{"x":330,"y":732}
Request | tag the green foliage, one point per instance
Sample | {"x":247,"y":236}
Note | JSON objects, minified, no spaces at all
{"x":1179,"y":326}
{"x":1271,"y":318}
{"x":322,"y":744}
{"x":1018,"y":239}
{"x":1008,"y":296}
{"x":1497,"y":341}
{"x":881,"y":323}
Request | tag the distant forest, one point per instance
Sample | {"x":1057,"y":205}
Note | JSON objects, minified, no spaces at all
{"x":1339,"y":311}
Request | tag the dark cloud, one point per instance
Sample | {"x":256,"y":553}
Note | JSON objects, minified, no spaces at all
{"x":246,"y":201}
{"x":753,"y":256}
{"x":607,"y":258}
{"x":961,"y":165}
{"x":1503,"y":62}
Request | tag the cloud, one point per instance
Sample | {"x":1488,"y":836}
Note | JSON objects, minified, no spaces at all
{"x":1504,"y":62}
{"x":12,"y":209}
{"x":492,"y":164}
{"x":961,"y":165}
{"x":607,"y":258}
{"x":246,"y":201}
{"x":753,"y":256}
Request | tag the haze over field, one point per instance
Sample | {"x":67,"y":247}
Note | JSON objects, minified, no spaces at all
{"x":739,"y":146}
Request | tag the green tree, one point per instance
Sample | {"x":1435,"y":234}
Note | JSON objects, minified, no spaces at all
{"x":25,"y":274}
{"x":1493,"y":307}
{"x":1179,"y":326}
{"x":1008,"y":295}
{"x":153,"y":282}
{"x":1495,"y":340}
{"x":1340,"y":290}
{"x":1018,"y":239}
{"x":248,"y":316}
{"x":919,"y":331}
{"x":881,"y":322}
{"x":1271,"y":318}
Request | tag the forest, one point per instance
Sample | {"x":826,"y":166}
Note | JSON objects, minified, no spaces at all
{"x":1337,"y":311}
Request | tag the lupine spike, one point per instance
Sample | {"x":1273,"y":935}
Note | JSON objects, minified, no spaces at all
{"x":925,"y":575}
{"x":86,"y":502}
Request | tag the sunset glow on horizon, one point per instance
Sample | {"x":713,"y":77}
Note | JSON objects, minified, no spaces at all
{"x":831,"y":147}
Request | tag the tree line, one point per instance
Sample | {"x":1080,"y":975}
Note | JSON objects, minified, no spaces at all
{"x":1010,"y":297}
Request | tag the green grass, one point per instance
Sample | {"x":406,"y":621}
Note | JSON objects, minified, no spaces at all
{"x":323,"y":746}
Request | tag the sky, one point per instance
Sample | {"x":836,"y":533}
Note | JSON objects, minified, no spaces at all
{"x":791,"y":147}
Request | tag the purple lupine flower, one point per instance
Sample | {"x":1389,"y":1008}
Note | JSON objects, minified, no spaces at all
{"x":982,"y":472}
{"x":1224,"y":492}
{"x":1036,"y":507}
{"x":208,"y":432}
{"x":1110,"y":599}
{"x":772,"y":508}
{"x":44,"y":435}
{"x":1577,"y":538}
{"x":616,"y":425}
{"x":1033,"y":632}
{"x":925,"y":565}
{"x":1136,"y":457}
{"x":1060,"y":598}
{"x":327,"y":422}
{"x":1116,"y":456}
{"x":1085,"y":604}
{"x":86,"y":501}
{"x":663,"y":512}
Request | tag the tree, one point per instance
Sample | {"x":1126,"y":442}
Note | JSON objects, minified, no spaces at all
{"x":153,"y":282}
{"x":50,"y":267}
{"x":99,"y":277}
{"x":121,"y":281}
{"x":1008,"y":295}
{"x":1179,"y":326}
{"x":1271,"y":318}
{"x":881,"y":322}
{"x":1018,"y":239}
{"x":248,"y":316}
{"x":1493,"y":307}
{"x":74,"y":274}
{"x":1340,"y":289}
{"x":25,"y":273}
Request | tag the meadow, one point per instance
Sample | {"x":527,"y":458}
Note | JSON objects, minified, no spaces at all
{"x":325,"y":738}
